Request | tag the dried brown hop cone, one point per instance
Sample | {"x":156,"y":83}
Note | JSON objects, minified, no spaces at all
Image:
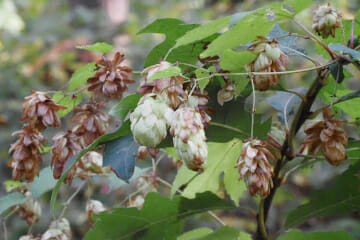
{"x":254,"y":167}
{"x":171,"y":87}
{"x":326,"y":19}
{"x":111,"y":80}
{"x":30,"y":210}
{"x":26,"y":158}
{"x":91,"y":121}
{"x":329,"y":136}
{"x":65,"y":146}
{"x":40,"y":110}
{"x":269,"y":59}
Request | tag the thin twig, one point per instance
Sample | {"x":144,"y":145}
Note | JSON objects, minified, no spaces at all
{"x":5,"y":230}
{"x":228,"y":127}
{"x":301,"y":54}
{"x":285,"y":113}
{"x":67,"y":203}
{"x":253,"y":106}
{"x":316,"y":39}
{"x":352,"y":34}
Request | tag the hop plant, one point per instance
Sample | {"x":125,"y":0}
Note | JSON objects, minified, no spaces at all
{"x":111,"y":79}
{"x":26,"y":158}
{"x":150,"y":120}
{"x":170,"y":88}
{"x":254,"y":167}
{"x":40,"y":110}
{"x":30,"y":210}
{"x":225,"y":95}
{"x":328,"y":136}
{"x":326,"y":19}
{"x":269,"y":59}
{"x":189,"y":137}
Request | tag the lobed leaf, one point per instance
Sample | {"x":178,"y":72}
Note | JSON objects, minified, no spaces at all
{"x":43,"y":183}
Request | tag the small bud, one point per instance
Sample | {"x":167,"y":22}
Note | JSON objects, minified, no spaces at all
{"x":225,"y":95}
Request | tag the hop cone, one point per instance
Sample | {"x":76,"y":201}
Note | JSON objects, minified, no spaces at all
{"x":326,"y":19}
{"x":254,"y":167}
{"x":329,"y":136}
{"x":150,"y":120}
{"x":270,"y":59}
{"x":189,"y":137}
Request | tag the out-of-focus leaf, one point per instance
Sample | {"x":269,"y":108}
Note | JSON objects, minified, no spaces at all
{"x":183,"y":176}
{"x":297,"y":6}
{"x":11,"y":185}
{"x":262,"y":19}
{"x":348,"y":100}
{"x":173,"y":29}
{"x":68,"y":101}
{"x":195,"y":234}
{"x":298,"y":235}
{"x":203,"y":31}
{"x":43,"y":183}
{"x":168,"y":72}
{"x":342,"y":197}
{"x":126,"y":105}
{"x":10,"y":200}
{"x":122,"y":131}
{"x":81,"y":75}
{"x":160,"y":218}
{"x":102,"y":47}
{"x":120,"y":155}
{"x":341,"y":48}
{"x":222,"y":158}
{"x":115,"y":182}
{"x":225,"y":232}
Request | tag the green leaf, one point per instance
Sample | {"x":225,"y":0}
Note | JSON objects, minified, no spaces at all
{"x":183,"y":176}
{"x":11,"y":185}
{"x":43,"y":183}
{"x":224,"y":232}
{"x":235,"y":61}
{"x":298,"y":235}
{"x":195,"y":234}
{"x":68,"y":101}
{"x":10,"y":200}
{"x":204,"y":79}
{"x":203,"y":31}
{"x":173,"y":29}
{"x":81,"y":75}
{"x":257,"y":23}
{"x":296,"y":5}
{"x":342,"y":197}
{"x":126,"y":105}
{"x":122,"y":131}
{"x":222,"y":158}
{"x":348,"y":100}
{"x":102,"y":47}
{"x":341,"y":48}
{"x":160,"y":218}
{"x":168,"y":72}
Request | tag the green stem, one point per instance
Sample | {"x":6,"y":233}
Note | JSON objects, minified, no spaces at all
{"x":261,"y":220}
{"x":228,"y":127}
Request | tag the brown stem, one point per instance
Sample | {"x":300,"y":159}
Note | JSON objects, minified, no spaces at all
{"x":287,"y":150}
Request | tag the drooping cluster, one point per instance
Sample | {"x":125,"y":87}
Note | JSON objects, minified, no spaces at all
{"x":112,"y":78}
{"x":189,"y":137}
{"x":40,"y":112}
{"x":150,"y":120}
{"x":328,"y":136}
{"x":30,"y":210}
{"x":254,"y":167}
{"x":26,"y":158}
{"x":269,"y":59}
{"x":65,"y":146}
{"x":326,"y":19}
